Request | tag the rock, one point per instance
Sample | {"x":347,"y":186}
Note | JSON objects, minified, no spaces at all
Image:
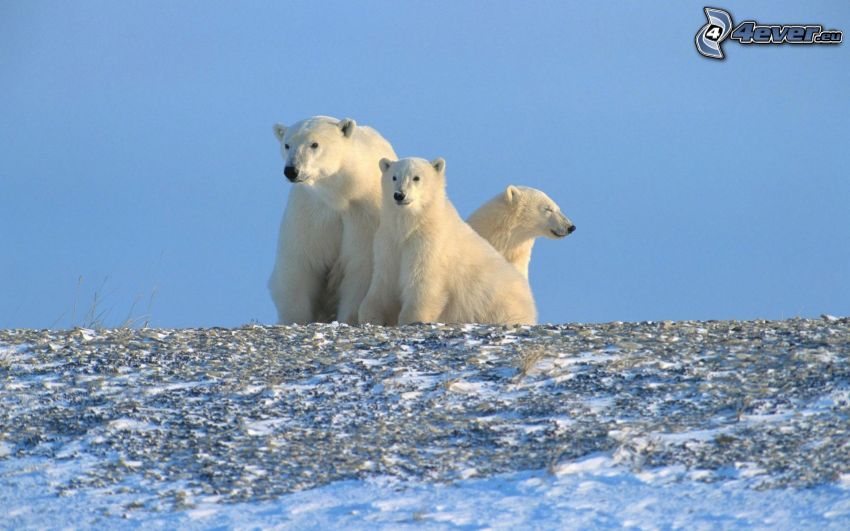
{"x":256,"y":412}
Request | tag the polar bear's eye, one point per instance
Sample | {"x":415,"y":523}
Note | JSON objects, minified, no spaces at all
{"x":314,"y":145}
{"x":394,"y":177}
{"x":415,"y":177}
{"x":286,"y":146}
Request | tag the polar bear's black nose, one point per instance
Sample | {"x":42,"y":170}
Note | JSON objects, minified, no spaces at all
{"x":398,"y":196}
{"x":571,"y":229}
{"x":291,"y":173}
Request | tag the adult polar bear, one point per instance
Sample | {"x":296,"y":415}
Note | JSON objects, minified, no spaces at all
{"x":324,"y":253}
{"x":512,"y":220}
{"x":430,"y":265}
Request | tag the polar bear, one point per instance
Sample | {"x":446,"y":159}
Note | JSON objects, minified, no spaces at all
{"x":513,"y":219}
{"x":430,"y":265}
{"x":324,"y":256}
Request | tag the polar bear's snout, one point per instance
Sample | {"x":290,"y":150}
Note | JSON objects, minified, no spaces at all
{"x":399,"y":198}
{"x":291,"y":173}
{"x":564,"y":228}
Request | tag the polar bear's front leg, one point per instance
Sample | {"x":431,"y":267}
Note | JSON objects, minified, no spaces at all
{"x":381,"y":304}
{"x":295,"y":289}
{"x":308,"y":247}
{"x":372,"y":310}
{"x":422,"y":302}
{"x":356,"y":258}
{"x":352,"y":290}
{"x":378,"y":307}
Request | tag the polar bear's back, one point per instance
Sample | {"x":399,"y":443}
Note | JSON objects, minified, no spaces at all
{"x":492,"y":221}
{"x":502,"y":225}
{"x":484,"y":287}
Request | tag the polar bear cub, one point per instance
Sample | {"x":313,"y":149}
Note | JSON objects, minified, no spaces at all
{"x":430,"y":266}
{"x":512,"y":220}
{"x":324,"y":257}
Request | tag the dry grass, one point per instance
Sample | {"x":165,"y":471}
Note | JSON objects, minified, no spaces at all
{"x":96,"y":316}
{"x":528,"y":360}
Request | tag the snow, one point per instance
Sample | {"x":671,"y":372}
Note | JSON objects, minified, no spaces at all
{"x":592,"y":492}
{"x":654,"y":426}
{"x":155,"y":390}
{"x":130,"y":425}
{"x":264,"y":427}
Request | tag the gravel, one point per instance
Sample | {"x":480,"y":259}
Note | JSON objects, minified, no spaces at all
{"x":166,"y":416}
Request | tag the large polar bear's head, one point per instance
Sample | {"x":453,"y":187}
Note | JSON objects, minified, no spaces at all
{"x":536,"y":214}
{"x":314,"y":148}
{"x":412,"y":183}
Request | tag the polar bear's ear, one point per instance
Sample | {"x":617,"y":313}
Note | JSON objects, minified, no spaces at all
{"x":385,"y":164}
{"x":511,"y":193}
{"x":347,"y":126}
{"x":439,"y":165}
{"x":279,"y":131}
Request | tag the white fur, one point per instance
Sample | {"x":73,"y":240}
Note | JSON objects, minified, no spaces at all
{"x":512,"y":220}
{"x":324,"y":256}
{"x":430,"y":266}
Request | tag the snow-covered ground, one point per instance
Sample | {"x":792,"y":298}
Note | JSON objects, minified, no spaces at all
{"x":652,"y":425}
{"x":592,"y":492}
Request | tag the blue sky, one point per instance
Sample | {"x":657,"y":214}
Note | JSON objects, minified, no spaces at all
{"x":136,"y":149}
